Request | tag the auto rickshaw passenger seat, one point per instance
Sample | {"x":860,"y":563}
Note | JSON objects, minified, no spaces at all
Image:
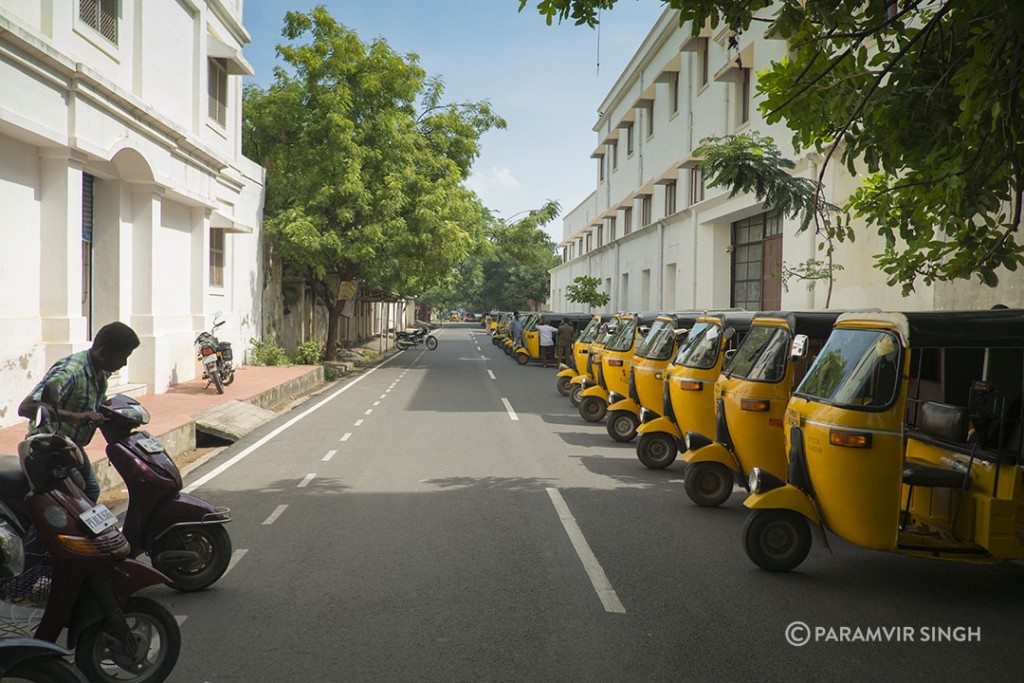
{"x":943,"y":423}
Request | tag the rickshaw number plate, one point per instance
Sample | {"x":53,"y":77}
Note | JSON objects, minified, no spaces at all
{"x":151,"y":445}
{"x":98,"y":518}
{"x":792,"y":418}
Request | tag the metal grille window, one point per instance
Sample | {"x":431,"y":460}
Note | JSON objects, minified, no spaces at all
{"x":749,"y":238}
{"x":101,"y":15}
{"x":87,"y":224}
{"x":216,"y":257}
{"x":218,"y":87}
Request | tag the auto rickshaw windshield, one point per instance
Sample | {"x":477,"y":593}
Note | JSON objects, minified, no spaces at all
{"x":658,"y":343}
{"x":687,"y":344}
{"x":762,"y":355}
{"x":702,"y":350}
{"x":856,"y":369}
{"x":590,"y":331}
{"x":622,"y":340}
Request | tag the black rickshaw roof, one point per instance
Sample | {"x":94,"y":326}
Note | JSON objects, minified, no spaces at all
{"x":739,"y":320}
{"x":817,"y":324}
{"x":998,"y":328}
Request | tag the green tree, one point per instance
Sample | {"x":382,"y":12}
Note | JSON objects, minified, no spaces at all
{"x":365,"y":164}
{"x":924,"y":94}
{"x":583,"y":290}
{"x":515,"y":268}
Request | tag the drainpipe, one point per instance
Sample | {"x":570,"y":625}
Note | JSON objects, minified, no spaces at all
{"x":661,"y":265}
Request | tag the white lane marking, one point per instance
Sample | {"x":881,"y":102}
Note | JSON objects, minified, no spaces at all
{"x":346,"y":436}
{"x":491,"y":373}
{"x":180,"y":618}
{"x":484,"y":357}
{"x":376,"y":403}
{"x":508,"y":407}
{"x":278,"y":511}
{"x":368,"y":411}
{"x":308,"y":478}
{"x":330,"y":454}
{"x":598,"y":578}
{"x":384,"y":395}
{"x":216,"y":472}
{"x":236,"y":557}
{"x":357,"y":423}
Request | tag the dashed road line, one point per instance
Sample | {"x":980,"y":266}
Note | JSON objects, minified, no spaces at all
{"x":346,"y":436}
{"x":278,"y":511}
{"x":376,"y":403}
{"x":308,"y":478}
{"x":357,"y":423}
{"x":598,"y":578}
{"x":236,"y":557}
{"x":327,"y":458}
{"x":368,"y":411}
{"x":508,"y":408}
{"x":491,"y":373}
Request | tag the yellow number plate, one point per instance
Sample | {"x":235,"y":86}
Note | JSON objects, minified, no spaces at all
{"x":792,"y":418}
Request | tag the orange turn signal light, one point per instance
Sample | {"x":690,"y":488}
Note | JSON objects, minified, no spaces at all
{"x":615,"y":362}
{"x":79,"y":544}
{"x":687,"y":385}
{"x":756,"y":405}
{"x":849,"y":439}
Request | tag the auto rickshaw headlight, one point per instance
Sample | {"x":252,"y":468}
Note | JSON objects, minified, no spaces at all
{"x":695,"y":440}
{"x":760,"y":481}
{"x":647,"y":415}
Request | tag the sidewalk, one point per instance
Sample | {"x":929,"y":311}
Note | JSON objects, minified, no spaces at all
{"x":173,"y":414}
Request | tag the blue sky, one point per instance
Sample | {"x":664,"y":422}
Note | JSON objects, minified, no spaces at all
{"x":543,"y":80}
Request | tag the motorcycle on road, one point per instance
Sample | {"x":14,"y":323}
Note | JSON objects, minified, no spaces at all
{"x":405,"y":339}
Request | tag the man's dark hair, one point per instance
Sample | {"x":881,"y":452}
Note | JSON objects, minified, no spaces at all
{"x":117,"y":336}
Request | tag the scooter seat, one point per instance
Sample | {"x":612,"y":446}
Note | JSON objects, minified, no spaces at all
{"x":918,"y":474}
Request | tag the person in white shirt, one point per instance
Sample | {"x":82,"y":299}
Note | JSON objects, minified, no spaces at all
{"x":547,"y":342}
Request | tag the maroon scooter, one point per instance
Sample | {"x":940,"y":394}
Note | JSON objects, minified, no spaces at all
{"x":183,"y":535}
{"x":86,"y":579}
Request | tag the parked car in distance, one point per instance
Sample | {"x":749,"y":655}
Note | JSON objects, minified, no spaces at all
{"x":469,"y":318}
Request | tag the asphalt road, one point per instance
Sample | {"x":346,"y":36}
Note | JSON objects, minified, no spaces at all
{"x":447,"y":516}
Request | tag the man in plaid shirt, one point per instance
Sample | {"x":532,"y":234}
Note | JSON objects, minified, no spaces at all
{"x":81,"y":383}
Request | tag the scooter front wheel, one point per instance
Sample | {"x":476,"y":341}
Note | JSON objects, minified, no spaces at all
{"x":211,"y":543}
{"x":102,"y":657}
{"x":45,"y":670}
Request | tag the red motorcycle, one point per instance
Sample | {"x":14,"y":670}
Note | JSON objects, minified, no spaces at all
{"x":183,"y":535}
{"x":216,"y":357}
{"x":85,"y":582}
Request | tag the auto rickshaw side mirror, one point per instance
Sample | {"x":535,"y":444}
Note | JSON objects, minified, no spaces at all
{"x":799,"y":348}
{"x":729,"y":333}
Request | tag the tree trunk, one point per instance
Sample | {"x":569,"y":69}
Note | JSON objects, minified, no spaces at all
{"x":333,"y":315}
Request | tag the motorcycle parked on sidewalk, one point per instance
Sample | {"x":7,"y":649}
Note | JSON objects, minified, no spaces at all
{"x":85,"y":581}
{"x":216,"y":357}
{"x":406,"y":340}
{"x":183,"y":535}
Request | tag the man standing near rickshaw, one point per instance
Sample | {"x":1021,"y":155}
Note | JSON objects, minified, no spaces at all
{"x":563,"y":341}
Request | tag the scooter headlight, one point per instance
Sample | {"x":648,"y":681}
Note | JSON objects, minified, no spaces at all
{"x":760,"y":481}
{"x":135,"y":413}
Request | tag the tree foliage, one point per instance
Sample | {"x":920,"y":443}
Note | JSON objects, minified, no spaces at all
{"x":583,"y":290}
{"x":925,"y":95}
{"x":365,"y":163}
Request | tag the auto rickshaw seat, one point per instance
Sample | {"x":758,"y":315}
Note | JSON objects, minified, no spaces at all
{"x":941,"y":424}
{"x":917,"y":473}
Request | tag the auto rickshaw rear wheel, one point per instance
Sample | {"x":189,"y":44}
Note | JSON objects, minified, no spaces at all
{"x":622,"y":425}
{"x":564,"y":385}
{"x":593,"y":409}
{"x":776,"y":540}
{"x":708,"y":484}
{"x":522,"y":358}
{"x":656,"y":450}
{"x":574,"y":395}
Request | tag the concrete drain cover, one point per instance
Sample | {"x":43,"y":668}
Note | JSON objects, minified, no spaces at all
{"x":232,"y":420}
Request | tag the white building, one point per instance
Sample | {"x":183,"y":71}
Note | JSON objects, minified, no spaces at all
{"x":658,"y":239}
{"x":124,"y":192}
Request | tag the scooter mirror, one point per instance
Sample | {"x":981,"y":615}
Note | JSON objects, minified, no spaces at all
{"x":799,"y":348}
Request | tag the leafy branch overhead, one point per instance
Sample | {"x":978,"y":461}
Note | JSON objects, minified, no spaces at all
{"x":922,"y":96}
{"x":583,"y":290}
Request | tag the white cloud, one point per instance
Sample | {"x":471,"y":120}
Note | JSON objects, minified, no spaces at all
{"x":498,"y":180}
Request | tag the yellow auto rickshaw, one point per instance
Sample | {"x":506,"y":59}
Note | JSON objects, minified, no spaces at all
{"x":586,"y":378}
{"x":905,"y":435}
{"x":529,"y":350}
{"x":751,"y":396}
{"x":647,"y":372}
{"x":612,"y":378}
{"x":500,"y":328}
{"x":688,"y":393}
{"x":529,"y":322}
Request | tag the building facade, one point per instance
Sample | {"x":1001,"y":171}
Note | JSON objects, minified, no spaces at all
{"x":659,"y":239}
{"x":125,"y":194}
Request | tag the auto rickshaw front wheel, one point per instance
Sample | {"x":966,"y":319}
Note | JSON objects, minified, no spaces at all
{"x":656,"y":450}
{"x":708,"y":484}
{"x":776,"y":540}
{"x":522,"y":358}
{"x":622,"y":425}
{"x":593,"y":409}
{"x":564,"y":385}
{"x":574,"y":395}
